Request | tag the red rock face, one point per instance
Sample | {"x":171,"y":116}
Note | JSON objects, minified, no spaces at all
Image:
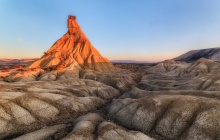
{"x":73,"y":51}
{"x":72,"y":26}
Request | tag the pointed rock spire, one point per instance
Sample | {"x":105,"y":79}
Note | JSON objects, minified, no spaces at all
{"x":73,"y":51}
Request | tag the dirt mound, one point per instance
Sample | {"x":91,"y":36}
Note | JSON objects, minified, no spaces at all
{"x":204,"y":65}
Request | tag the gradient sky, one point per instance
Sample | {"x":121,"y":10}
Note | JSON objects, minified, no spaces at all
{"x":150,"y":30}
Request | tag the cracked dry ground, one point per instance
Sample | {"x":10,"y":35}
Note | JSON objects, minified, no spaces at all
{"x":127,"y":105}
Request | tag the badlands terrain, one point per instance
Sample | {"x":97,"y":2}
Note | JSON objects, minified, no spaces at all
{"x":73,"y":93}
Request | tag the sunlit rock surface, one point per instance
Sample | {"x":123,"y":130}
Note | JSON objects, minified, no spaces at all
{"x":73,"y":51}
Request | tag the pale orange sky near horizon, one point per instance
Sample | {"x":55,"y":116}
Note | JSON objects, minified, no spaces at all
{"x":16,"y":54}
{"x":30,"y":53}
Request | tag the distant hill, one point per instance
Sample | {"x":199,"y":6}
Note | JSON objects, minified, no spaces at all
{"x":210,"y":53}
{"x":4,"y":61}
{"x":129,"y":61}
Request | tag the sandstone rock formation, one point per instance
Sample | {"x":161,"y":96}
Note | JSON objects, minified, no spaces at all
{"x":69,"y":55}
{"x":73,"y":51}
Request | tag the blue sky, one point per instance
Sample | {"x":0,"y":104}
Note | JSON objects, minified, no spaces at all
{"x":120,"y":29}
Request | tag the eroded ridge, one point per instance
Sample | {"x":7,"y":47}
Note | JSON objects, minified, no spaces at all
{"x":28,"y":106}
{"x":88,"y":127}
{"x":173,"y":117}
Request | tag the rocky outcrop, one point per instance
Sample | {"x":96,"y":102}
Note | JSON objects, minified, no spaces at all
{"x":73,"y":51}
{"x":87,"y":127}
{"x":170,"y":66}
{"x":25,"y":107}
{"x":92,"y":126}
{"x":173,"y":117}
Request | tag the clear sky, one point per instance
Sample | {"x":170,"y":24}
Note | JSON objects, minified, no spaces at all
{"x":120,"y":29}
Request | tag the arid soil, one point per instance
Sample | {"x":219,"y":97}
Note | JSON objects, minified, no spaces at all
{"x":169,"y":100}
